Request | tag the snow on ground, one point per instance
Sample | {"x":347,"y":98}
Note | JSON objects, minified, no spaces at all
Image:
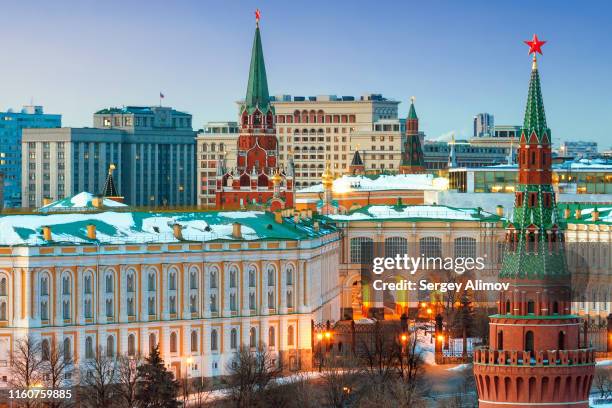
{"x":460,"y":367}
{"x":600,"y":403}
{"x":425,"y":347}
{"x":411,"y":211}
{"x":603,"y":363}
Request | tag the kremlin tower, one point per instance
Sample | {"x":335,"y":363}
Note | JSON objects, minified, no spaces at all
{"x":412,"y":152}
{"x":256,"y":178}
{"x":534,"y":357}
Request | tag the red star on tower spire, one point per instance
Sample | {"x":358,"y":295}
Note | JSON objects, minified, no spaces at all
{"x":257,"y":16}
{"x":535,"y":45}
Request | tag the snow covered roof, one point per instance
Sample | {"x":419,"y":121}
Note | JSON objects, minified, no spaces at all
{"x":415,"y":213}
{"x":582,"y":165}
{"x":142,"y":227}
{"x":382,"y":182}
{"x":79,"y":202}
{"x":586,"y":213}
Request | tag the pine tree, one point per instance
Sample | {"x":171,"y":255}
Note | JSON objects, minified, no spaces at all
{"x":158,"y":388}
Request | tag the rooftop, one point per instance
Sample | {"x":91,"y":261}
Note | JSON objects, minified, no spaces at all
{"x":416,"y":213}
{"x":117,"y":227}
{"x":382,"y":182}
{"x":586,"y":213}
{"x":139,"y":110}
{"x":578,"y":165}
{"x":79,"y":202}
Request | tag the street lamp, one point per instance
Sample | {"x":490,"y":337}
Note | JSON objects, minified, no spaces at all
{"x":189,"y":361}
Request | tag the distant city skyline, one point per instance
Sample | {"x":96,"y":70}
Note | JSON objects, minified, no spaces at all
{"x":457,"y":59}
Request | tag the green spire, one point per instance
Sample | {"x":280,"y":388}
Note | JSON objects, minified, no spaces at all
{"x":257,"y":90}
{"x":412,"y":112}
{"x":535,"y":117}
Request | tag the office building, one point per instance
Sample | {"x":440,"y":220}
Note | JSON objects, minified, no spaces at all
{"x":11,"y":126}
{"x":152,"y":148}
{"x":578,"y":150}
{"x":483,"y":125}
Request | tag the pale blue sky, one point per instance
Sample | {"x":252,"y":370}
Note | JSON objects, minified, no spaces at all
{"x":457,"y":58}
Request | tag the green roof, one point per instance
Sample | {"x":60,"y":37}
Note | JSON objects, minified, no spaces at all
{"x":257,"y":96}
{"x":535,"y":117}
{"x":400,"y":212}
{"x":156,"y":227}
{"x":412,"y":112}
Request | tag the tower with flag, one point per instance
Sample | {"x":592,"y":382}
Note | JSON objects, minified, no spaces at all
{"x":535,"y":355}
{"x":255,"y":178}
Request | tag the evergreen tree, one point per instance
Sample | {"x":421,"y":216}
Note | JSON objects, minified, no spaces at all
{"x":463,"y":322}
{"x":157,"y":388}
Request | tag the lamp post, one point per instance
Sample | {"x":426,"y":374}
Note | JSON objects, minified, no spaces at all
{"x":189,"y":361}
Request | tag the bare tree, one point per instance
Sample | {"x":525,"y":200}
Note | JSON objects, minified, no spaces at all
{"x":603,"y":382}
{"x":54,"y":367}
{"x":201,"y":389}
{"x":379,"y":351}
{"x":26,"y":364}
{"x":340,"y":382}
{"x":97,"y":380}
{"x":127,"y":379}
{"x":250,"y":373}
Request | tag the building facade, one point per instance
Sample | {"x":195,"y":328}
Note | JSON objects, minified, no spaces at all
{"x":132,"y":280}
{"x":152,"y":148}
{"x":315,"y":130}
{"x":466,"y":154}
{"x":483,"y":125}
{"x":11,"y":126}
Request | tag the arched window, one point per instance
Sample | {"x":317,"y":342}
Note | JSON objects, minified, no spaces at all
{"x":173,"y":347}
{"x":395,"y":246}
{"x":152,"y":341}
{"x":252,"y":282}
{"x":3,"y":286}
{"x":131,"y":344}
{"x":67,"y":350}
{"x":289,"y":299}
{"x":194,"y":341}
{"x":530,"y":307}
{"x":45,"y":350}
{"x":290,"y":340}
{"x":172,"y":281}
{"x":465,"y":247}
{"x":362,"y":250}
{"x":87,"y":285}
{"x":151,"y":282}
{"x":289,"y":275}
{"x":89,"y":350}
{"x":529,"y":341}
{"x":44,"y":286}
{"x":3,"y":314}
{"x":271,"y":273}
{"x":66,"y":309}
{"x":233,"y":273}
{"x":66,"y":285}
{"x":555,"y":307}
{"x":193,"y":280}
{"x":110,"y":346}
{"x":213,"y":340}
{"x":109,"y":283}
{"x":561,"y":340}
{"x":253,"y":337}
{"x":430,"y":247}
{"x":234,"y":339}
{"x":271,"y":337}
{"x":213,"y":278}
{"x":130,"y":283}
{"x":508,"y":311}
{"x":500,"y":340}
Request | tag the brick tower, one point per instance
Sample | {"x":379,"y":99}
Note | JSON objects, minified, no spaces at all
{"x":534,"y":357}
{"x":256,"y":178}
{"x":412,"y":151}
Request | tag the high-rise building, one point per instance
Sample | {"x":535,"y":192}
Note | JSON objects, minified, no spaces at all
{"x":578,"y":150}
{"x":483,"y":125}
{"x":11,"y":126}
{"x":256,"y":177}
{"x":153,"y":149}
{"x":535,"y":356}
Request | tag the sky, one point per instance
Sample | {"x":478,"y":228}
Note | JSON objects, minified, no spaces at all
{"x":456,"y":58}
